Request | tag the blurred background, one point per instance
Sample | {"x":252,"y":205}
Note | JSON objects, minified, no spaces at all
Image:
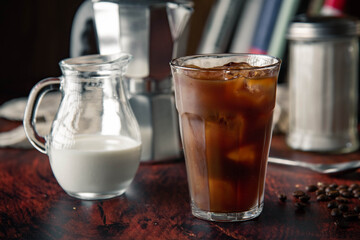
{"x":35,"y":36}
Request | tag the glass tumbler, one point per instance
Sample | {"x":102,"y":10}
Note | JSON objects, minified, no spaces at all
{"x":225,"y":104}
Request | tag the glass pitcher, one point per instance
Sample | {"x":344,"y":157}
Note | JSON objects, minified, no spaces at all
{"x":94,"y":144}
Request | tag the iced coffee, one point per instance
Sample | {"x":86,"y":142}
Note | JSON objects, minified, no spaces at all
{"x":225,"y":104}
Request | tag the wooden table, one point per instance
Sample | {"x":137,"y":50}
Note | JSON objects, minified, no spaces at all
{"x":156,"y":206}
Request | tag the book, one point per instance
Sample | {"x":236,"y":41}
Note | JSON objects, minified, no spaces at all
{"x":265,"y":26}
{"x":245,"y":27}
{"x":219,"y":26}
{"x":314,"y":8}
{"x":278,"y":39}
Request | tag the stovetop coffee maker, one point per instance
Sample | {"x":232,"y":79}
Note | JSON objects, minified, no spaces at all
{"x":153,"y":32}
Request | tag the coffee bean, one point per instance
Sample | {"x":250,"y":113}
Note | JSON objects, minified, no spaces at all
{"x":322,"y":198}
{"x":350,"y":216}
{"x":332,"y":204}
{"x":282,"y":197}
{"x":353,"y":186}
{"x":346,"y":194}
{"x":335,"y":212}
{"x":311,"y":188}
{"x":333,"y":185}
{"x":304,"y":198}
{"x":329,"y":189}
{"x":333,"y":194}
{"x":341,"y":223}
{"x":322,"y":185}
{"x":298,"y":193}
{"x":356,"y":192}
{"x":342,"y":200}
{"x":343,"y":207}
{"x":319,"y":192}
{"x":343,"y":190}
{"x":343,"y":186}
{"x":357,"y":209}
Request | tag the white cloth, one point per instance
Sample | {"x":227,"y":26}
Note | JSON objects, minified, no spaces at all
{"x":14,"y":110}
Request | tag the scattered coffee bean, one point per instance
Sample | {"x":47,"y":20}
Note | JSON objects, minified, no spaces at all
{"x":353,"y":186}
{"x":339,"y":198}
{"x":343,"y":207}
{"x":321,"y":184}
{"x":341,"y":223}
{"x":282,"y":197}
{"x":319,"y":192}
{"x":343,"y":190}
{"x":342,"y":200}
{"x":311,"y":188}
{"x":333,"y":194}
{"x":329,"y":189}
{"x":335,"y":212}
{"x":357,"y":209}
{"x":346,"y":194}
{"x":304,"y":198}
{"x":356,"y":192}
{"x":332,"y":204}
{"x":298,"y":193}
{"x":343,"y":186}
{"x":350,"y":216}
{"x":322,"y":198}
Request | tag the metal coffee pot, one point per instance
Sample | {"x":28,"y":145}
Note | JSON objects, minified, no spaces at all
{"x":153,"y":32}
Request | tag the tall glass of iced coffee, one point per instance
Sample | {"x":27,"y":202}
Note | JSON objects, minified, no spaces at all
{"x":225,"y":104}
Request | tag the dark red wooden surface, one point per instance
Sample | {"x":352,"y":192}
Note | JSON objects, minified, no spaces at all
{"x":156,"y":206}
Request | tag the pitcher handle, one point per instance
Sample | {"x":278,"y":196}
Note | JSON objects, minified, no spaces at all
{"x":36,"y":94}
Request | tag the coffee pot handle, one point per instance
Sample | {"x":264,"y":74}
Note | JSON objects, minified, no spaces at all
{"x":36,"y":94}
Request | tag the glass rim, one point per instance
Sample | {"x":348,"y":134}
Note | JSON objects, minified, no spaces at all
{"x":175,"y":62}
{"x":96,"y":61}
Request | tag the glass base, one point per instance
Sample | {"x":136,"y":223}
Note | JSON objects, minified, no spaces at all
{"x":95,"y":196}
{"x":227,"y":217}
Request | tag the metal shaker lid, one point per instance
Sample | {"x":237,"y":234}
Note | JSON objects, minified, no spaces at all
{"x":321,"y":27}
{"x":145,"y":2}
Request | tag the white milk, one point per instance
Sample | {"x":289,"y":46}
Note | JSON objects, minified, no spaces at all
{"x":96,"y":166}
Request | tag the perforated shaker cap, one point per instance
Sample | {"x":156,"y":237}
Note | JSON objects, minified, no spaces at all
{"x":146,"y":2}
{"x":322,"y":27}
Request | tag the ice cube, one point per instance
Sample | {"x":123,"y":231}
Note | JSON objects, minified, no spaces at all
{"x":196,"y":72}
{"x":244,"y":154}
{"x":235,"y":65}
{"x":265,"y":85}
{"x":223,"y":133}
{"x":230,"y":71}
{"x":235,"y":70}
